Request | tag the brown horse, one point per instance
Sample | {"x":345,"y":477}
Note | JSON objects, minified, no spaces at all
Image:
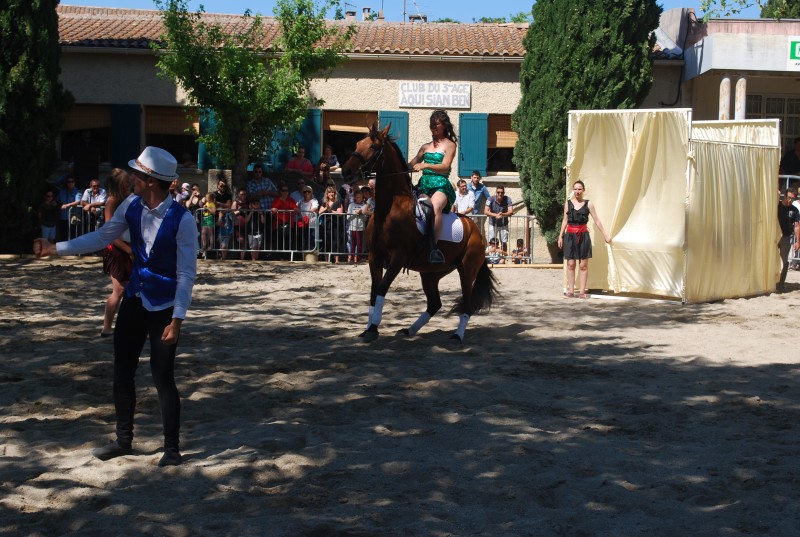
{"x":395,"y":243}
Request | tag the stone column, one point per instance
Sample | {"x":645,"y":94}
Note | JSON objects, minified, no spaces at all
{"x":725,"y":99}
{"x":740,"y":101}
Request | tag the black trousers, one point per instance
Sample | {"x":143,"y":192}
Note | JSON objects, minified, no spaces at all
{"x":784,"y":247}
{"x":134,"y":325}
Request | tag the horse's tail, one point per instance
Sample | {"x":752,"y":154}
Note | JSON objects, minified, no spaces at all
{"x":484,"y":292}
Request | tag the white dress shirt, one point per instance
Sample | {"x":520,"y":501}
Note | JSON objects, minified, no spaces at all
{"x":151,"y":222}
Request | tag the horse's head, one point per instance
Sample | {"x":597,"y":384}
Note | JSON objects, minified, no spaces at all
{"x":366,"y":154}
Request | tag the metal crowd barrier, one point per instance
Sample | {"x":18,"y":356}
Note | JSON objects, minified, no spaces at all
{"x":285,"y":232}
{"x":518,"y":227}
{"x":295,"y":234}
{"x":80,"y":222}
{"x":328,"y":234}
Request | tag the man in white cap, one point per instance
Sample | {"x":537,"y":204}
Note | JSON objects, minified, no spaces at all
{"x":163,"y":240}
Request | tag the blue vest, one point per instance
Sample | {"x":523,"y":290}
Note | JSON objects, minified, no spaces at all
{"x":154,"y":276}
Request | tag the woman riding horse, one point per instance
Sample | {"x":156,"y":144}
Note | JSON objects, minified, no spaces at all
{"x":434,"y":160}
{"x":395,"y":243}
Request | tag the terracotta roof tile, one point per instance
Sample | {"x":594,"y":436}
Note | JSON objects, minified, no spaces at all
{"x":137,"y":28}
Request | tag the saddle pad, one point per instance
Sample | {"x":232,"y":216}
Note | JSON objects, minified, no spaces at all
{"x":452,"y":228}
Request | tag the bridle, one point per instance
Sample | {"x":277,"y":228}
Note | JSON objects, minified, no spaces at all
{"x":367,"y":165}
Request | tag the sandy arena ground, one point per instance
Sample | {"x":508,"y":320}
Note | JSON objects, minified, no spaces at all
{"x":555,"y":417}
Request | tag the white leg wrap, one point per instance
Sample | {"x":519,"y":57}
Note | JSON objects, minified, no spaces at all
{"x":462,"y":325}
{"x":369,"y":315}
{"x":419,"y":323}
{"x":377,"y":312}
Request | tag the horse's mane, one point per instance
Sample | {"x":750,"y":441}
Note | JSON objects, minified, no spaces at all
{"x":391,"y":141}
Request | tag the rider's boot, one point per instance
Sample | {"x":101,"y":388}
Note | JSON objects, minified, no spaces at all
{"x":436,"y":257}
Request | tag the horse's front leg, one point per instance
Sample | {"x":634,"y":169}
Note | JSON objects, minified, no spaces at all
{"x":380,"y":286}
{"x":430,"y":284}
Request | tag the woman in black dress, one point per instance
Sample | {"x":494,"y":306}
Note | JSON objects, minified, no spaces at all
{"x":574,"y":237}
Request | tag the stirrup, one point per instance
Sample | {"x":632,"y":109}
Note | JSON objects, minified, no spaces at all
{"x":436,"y":257}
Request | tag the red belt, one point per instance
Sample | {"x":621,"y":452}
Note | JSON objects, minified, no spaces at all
{"x":578,"y":229}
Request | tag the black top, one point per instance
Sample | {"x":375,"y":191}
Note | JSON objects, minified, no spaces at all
{"x":787,"y":216}
{"x":580,"y":216}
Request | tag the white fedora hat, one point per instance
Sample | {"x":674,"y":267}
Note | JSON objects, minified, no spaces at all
{"x":156,"y":163}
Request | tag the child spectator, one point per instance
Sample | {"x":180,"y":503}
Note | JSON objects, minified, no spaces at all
{"x":356,"y":218}
{"x":48,"y":216}
{"x":225,"y":225}
{"x":307,"y":223}
{"x":207,"y":223}
{"x":254,"y":220}
{"x":519,"y":255}
{"x":495,"y":255}
{"x":238,"y":209}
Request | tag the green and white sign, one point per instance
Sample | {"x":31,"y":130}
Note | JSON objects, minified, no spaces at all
{"x":793,"y":56}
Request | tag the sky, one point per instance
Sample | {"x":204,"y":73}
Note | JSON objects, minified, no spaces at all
{"x":461,"y":10}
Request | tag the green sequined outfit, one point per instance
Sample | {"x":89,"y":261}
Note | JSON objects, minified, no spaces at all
{"x":432,"y":181}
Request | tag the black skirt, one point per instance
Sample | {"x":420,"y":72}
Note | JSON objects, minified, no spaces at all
{"x":577,"y":245}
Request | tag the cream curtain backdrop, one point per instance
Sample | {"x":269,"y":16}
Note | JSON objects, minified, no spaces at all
{"x":690,"y":220}
{"x":764,"y":132}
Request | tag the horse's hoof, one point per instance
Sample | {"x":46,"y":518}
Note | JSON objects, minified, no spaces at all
{"x":403,"y":332}
{"x":457,"y":338}
{"x":370,"y":335}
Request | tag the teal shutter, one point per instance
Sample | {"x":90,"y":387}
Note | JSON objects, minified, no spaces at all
{"x":126,"y":132}
{"x":473,"y":139}
{"x":208,"y":122}
{"x":399,"y":129}
{"x":310,"y":135}
{"x":279,"y":154}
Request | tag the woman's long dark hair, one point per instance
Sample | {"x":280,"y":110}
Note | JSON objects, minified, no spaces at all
{"x":442,"y":117}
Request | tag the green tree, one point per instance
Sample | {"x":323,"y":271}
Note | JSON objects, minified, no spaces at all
{"x":781,"y":9}
{"x":32,"y":107}
{"x":771,"y":9}
{"x":600,"y":60}
{"x":521,"y":17}
{"x":446,"y":19}
{"x":252,"y":87}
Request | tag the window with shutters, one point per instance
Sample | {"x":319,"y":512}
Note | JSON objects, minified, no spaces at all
{"x":342,"y":129}
{"x":501,"y":141}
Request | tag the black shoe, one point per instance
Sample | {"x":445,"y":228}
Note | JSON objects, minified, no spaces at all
{"x":436,"y":257}
{"x":171,"y":457}
{"x":111,"y":450}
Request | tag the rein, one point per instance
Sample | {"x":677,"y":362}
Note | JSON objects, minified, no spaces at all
{"x":368,"y":165}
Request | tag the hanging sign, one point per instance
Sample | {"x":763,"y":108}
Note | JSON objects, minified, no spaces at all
{"x":793,"y":56}
{"x":435,"y":95}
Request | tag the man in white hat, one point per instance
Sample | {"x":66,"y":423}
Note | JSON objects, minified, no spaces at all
{"x":157,"y":296}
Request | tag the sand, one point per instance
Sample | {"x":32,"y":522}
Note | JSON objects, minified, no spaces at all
{"x":555,"y":417}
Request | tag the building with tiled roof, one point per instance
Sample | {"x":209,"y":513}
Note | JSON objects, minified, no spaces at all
{"x":137,"y":28}
{"x":398,"y":72}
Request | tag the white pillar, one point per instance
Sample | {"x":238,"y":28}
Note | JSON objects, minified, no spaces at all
{"x":740,"y":101}
{"x":725,"y":99}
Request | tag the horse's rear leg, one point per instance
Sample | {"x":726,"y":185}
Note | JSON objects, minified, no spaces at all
{"x":430,"y":284}
{"x":468,"y":272}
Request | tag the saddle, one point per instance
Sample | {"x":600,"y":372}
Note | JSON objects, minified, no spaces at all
{"x":452,"y":228}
